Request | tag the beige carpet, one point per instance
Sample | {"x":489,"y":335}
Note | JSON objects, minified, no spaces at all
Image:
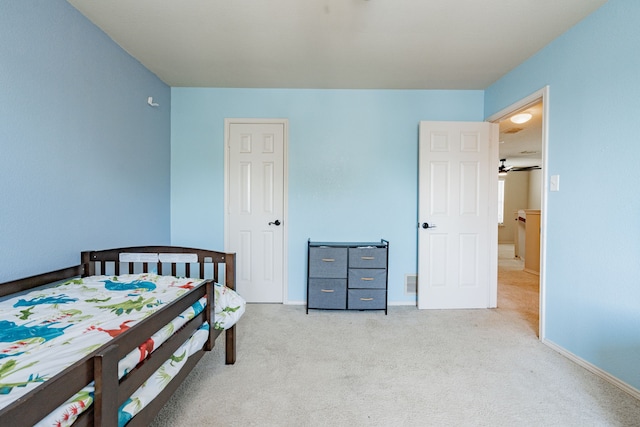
{"x":410,"y":368}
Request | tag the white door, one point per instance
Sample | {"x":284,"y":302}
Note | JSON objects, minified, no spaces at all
{"x":255,"y":207}
{"x":457,"y":232}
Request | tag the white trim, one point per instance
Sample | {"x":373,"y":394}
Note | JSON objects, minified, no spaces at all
{"x":285,"y":196}
{"x":634,"y":392}
{"x":402,"y":303}
{"x":542,"y":94}
{"x":296,"y":302}
{"x":494,"y":140}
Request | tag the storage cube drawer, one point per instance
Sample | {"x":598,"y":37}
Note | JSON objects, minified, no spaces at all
{"x":328,"y":262}
{"x":367,"y":278}
{"x":366,"y":299}
{"x":327,"y":293}
{"x":368,"y":257}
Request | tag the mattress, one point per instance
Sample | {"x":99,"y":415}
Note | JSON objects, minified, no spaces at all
{"x":73,"y":318}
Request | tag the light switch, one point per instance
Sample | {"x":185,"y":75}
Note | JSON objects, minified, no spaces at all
{"x":554,"y":183}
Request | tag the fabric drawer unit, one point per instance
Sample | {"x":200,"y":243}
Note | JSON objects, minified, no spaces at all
{"x":366,"y":299}
{"x":363,"y":257}
{"x":367,"y":278}
{"x":328,"y":293}
{"x":347,"y":275}
{"x":328,"y":262}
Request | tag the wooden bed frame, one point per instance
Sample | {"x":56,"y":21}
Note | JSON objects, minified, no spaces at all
{"x":101,"y":366}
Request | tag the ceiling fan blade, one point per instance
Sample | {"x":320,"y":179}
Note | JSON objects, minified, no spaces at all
{"x":525,"y":168}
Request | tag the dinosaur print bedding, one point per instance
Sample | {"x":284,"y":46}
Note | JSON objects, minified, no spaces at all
{"x":73,"y":318}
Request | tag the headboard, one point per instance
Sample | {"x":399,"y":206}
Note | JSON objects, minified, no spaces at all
{"x":173,"y":260}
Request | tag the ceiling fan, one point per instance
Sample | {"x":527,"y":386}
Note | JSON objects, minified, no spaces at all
{"x":502,"y":169}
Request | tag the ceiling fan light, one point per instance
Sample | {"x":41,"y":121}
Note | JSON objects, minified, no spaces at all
{"x":502,"y":173}
{"x":521,"y":118}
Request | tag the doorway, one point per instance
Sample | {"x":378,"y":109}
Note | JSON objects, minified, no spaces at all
{"x":523,"y":161}
{"x":255,"y":206}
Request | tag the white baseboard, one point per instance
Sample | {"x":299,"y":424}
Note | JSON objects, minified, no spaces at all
{"x":594,"y":369}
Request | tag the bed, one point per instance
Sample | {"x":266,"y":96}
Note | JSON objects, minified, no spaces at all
{"x":176,"y":298}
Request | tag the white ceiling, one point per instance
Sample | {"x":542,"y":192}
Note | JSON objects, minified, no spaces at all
{"x":521,"y":144}
{"x":356,"y":44}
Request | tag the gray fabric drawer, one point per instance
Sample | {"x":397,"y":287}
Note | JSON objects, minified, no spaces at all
{"x":328,"y":262}
{"x":366,"y":299}
{"x":368,"y":257}
{"x":368,"y":278}
{"x":327,"y":293}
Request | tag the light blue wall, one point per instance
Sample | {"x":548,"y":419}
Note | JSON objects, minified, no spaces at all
{"x":353,"y":166}
{"x":593,"y":232}
{"x":84,"y":160}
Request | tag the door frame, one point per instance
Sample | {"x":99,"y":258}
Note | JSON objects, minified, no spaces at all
{"x":285,"y":196}
{"x":541,"y":94}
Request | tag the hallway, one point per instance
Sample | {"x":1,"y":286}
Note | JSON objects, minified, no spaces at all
{"x":518,"y":291}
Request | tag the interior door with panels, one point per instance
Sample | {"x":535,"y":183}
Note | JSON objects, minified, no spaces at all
{"x":255,"y":204}
{"x":457,"y":237}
